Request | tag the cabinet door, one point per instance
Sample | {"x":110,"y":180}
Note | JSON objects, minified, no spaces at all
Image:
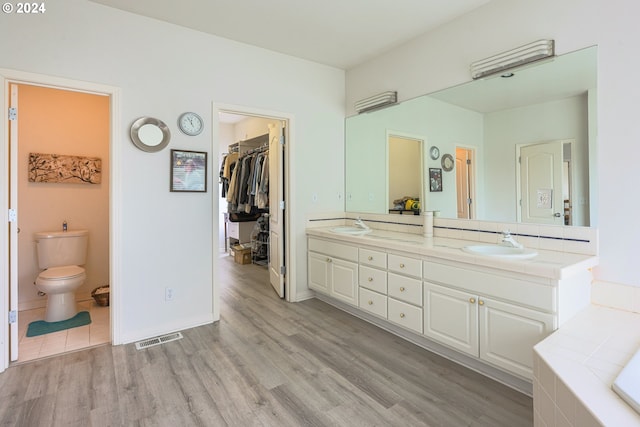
{"x":344,"y":281}
{"x":508,"y":333}
{"x":451,"y":318}
{"x":319,"y":272}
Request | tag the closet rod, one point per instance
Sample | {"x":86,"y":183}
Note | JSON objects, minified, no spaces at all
{"x":256,"y":150}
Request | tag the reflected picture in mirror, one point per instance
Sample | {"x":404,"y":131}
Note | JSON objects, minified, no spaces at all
{"x":487,"y":123}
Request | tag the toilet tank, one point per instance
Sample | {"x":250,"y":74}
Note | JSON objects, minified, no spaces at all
{"x":59,"y":248}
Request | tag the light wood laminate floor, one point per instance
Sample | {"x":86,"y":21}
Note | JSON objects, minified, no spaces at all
{"x":266,"y":363}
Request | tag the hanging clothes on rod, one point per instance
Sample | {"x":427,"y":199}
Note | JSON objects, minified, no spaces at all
{"x":248,"y":190}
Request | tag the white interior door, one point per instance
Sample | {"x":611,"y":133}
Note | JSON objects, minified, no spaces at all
{"x":13,"y":225}
{"x":541,"y":183}
{"x":464,"y":164}
{"x":276,"y":206}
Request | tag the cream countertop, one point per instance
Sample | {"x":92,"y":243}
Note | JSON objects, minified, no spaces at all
{"x":547,"y":264}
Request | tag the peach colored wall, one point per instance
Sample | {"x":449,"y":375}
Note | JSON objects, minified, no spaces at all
{"x":55,"y":121}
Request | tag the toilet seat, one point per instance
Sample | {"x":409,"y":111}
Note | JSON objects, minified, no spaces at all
{"x":61,"y":273}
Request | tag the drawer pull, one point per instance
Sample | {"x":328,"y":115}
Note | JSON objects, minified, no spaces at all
{"x":370,"y":302}
{"x":370,"y":258}
{"x":401,"y":265}
{"x":401,"y":288}
{"x":472,"y":300}
{"x":480,"y":302}
{"x":402,"y":315}
{"x":370,"y":279}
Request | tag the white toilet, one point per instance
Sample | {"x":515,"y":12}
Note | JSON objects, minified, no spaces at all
{"x":61,"y":253}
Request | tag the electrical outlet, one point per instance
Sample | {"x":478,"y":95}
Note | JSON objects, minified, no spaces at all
{"x":168,"y":294}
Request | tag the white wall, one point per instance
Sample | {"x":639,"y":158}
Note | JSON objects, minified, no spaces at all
{"x":167,"y":239}
{"x":441,"y":59}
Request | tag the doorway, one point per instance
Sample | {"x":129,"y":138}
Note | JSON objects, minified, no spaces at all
{"x":252,"y":214}
{"x":465,"y":182}
{"x":36,"y":205}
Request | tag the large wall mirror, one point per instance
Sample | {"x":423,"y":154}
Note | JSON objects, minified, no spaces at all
{"x":544,"y":113}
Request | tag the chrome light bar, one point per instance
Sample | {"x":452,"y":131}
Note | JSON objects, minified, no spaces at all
{"x":376,"y":101}
{"x":520,"y":56}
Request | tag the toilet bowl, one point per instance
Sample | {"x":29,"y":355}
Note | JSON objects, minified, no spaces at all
{"x":61,"y":254}
{"x":60,"y":284}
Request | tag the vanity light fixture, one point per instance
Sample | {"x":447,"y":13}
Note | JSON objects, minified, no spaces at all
{"x":522,"y":55}
{"x":377,"y":101}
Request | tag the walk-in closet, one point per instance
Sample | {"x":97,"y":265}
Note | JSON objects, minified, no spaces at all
{"x":247,"y":175}
{"x":244,"y":177}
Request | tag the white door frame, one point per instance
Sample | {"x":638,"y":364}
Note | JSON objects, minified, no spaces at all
{"x":7,"y":77}
{"x":290,"y":250}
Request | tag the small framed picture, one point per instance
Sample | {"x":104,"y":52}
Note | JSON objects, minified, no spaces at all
{"x":435,"y":179}
{"x":188,"y":171}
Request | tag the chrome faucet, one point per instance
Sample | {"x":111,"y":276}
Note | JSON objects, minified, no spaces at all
{"x":360,"y":224}
{"x":508,"y":240}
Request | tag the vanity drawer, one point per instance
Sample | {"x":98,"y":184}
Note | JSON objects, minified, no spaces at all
{"x":405,"y":289}
{"x":405,"y":265}
{"x":373,"y":279}
{"x":405,"y":315}
{"x":372,"y":258}
{"x":338,"y":250}
{"x":373,"y":302}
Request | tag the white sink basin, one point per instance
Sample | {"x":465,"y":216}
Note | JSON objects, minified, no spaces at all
{"x":500,"y":251}
{"x":354,"y":231}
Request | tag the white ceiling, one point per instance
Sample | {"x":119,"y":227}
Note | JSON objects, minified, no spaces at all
{"x":339,"y":33}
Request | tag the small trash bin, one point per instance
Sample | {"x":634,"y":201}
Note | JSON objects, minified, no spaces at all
{"x":101,"y":295}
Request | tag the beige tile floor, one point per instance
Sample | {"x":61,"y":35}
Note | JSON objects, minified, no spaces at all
{"x":95,"y":333}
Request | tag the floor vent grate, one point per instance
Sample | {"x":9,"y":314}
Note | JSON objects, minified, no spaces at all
{"x":158,"y":340}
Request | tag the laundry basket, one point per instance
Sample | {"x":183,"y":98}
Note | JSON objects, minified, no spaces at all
{"x":101,"y":295}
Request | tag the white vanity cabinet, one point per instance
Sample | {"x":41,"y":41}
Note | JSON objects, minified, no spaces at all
{"x":333,"y":270}
{"x":500,"y":330}
{"x":488,"y":315}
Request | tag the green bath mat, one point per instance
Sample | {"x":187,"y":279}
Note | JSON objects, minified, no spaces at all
{"x":40,"y":327}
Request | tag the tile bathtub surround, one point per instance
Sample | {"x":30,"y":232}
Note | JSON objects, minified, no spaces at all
{"x":616,"y":295}
{"x":97,"y":332}
{"x":575,"y":366}
{"x":580,"y":240}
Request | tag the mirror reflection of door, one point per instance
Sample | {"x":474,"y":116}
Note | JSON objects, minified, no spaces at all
{"x":464,"y":182}
{"x":541,"y":186}
{"x":405,"y":170}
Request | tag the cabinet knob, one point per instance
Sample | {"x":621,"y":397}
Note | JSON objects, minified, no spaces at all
{"x":328,"y":259}
{"x":401,"y":288}
{"x":480,"y":302}
{"x":370,"y":258}
{"x":370,"y":302}
{"x":370,"y":279}
{"x":472,"y":300}
{"x":402,"y":315}
{"x":401,"y":265}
